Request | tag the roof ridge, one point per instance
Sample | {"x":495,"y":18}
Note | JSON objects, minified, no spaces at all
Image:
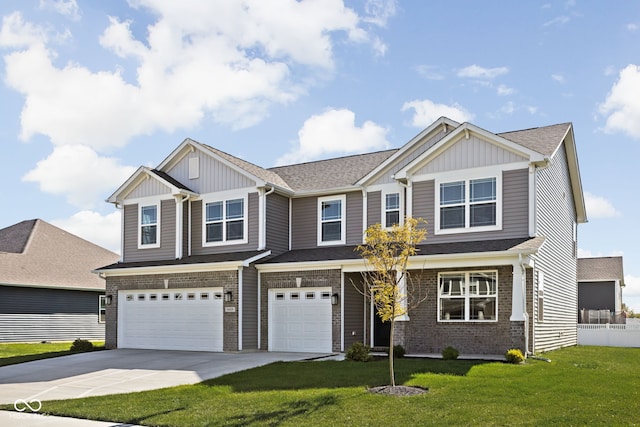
{"x":534,"y":128}
{"x":334,"y":158}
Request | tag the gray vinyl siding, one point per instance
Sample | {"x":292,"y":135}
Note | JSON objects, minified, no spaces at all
{"x":249,"y":308}
{"x":185,"y":228}
{"x":374,"y":208}
{"x":38,"y":314}
{"x":515,"y":209}
{"x":167,"y":249}
{"x":277,"y":223}
{"x":356,"y":313}
{"x":354,"y":218}
{"x":555,"y":218}
{"x":197,"y":224}
{"x":304,"y":227}
{"x":214,"y":175}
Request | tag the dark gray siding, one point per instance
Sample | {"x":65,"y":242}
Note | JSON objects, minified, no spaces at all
{"x":555,"y":218}
{"x":356,"y":311}
{"x":277,"y":223}
{"x":37,"y":314}
{"x":354,"y":218}
{"x":304,"y":230}
{"x":515,"y":209}
{"x":167,"y":249}
{"x":374,"y":208}
{"x":249,"y":308}
{"x":196,"y":230}
{"x":597,"y":296}
{"x":185,"y":228}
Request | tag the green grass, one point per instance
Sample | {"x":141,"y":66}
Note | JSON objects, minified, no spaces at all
{"x":581,"y":386}
{"x":12,"y":353}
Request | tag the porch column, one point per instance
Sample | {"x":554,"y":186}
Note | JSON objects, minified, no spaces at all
{"x":518,"y":306}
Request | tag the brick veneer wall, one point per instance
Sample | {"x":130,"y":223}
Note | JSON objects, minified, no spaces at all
{"x":310,"y":279}
{"x":228,"y":280}
{"x":424,"y":334}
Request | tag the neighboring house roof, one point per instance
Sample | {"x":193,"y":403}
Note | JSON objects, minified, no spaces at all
{"x":36,"y":253}
{"x":545,"y":140}
{"x":194,"y":259}
{"x":330,"y":174}
{"x":600,"y":269}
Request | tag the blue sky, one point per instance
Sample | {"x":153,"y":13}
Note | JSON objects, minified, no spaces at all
{"x":92,"y":90}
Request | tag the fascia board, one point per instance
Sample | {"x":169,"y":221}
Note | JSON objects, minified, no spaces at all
{"x":170,"y":269}
{"x":442,"y":121}
{"x":114,"y":197}
{"x":259,"y":181}
{"x":64,"y":288}
{"x":574,"y":173}
{"x":455,"y":136}
{"x":326,"y":191}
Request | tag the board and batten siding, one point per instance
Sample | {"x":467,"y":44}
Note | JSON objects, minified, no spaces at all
{"x":148,"y":188}
{"x":555,"y":219}
{"x":197,"y":224}
{"x":249,"y":308}
{"x":167,"y":249}
{"x":214,"y":175}
{"x":30,"y":314}
{"x":515,"y":209}
{"x":277,"y":223}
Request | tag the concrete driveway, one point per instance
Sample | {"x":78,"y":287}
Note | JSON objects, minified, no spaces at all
{"x":123,"y":371}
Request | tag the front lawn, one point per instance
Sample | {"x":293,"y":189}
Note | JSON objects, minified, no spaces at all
{"x":581,"y":386}
{"x":12,"y":353}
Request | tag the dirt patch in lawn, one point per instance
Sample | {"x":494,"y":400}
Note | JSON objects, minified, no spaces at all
{"x":399,"y":390}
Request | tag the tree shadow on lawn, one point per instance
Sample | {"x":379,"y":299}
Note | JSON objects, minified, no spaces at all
{"x":337,"y":374}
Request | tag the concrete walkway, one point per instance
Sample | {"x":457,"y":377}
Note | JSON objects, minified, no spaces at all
{"x":112,"y":372}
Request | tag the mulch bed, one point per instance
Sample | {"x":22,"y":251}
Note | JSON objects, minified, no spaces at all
{"x":399,"y":390}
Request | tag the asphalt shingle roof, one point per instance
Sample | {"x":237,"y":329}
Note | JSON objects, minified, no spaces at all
{"x":195,"y":259}
{"x":545,"y":140}
{"x":597,"y":269}
{"x":13,"y":239}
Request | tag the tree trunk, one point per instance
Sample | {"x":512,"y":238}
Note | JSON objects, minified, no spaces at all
{"x":392,"y":375}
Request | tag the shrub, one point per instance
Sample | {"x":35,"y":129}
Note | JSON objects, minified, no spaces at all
{"x":514,"y":356}
{"x":358,"y":352}
{"x":80,"y":345}
{"x":398,"y":351}
{"x":450,"y":353}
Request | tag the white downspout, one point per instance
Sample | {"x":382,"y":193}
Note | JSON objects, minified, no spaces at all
{"x":189,"y":230}
{"x":259,"y":313}
{"x":121,"y":208}
{"x":365,"y":212}
{"x":240,"y":308}
{"x":179,"y":218}
{"x":262,"y":216}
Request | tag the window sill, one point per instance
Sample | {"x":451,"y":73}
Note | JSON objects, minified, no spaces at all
{"x":467,"y":230}
{"x":225,"y":243}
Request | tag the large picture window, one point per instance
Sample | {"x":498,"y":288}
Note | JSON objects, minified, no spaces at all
{"x":224,"y":221}
{"x":148,"y":226}
{"x":331,"y":215}
{"x":468,"y":296}
{"x":468,"y":204}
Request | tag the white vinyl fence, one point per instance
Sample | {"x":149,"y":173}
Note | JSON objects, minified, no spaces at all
{"x":609,"y":335}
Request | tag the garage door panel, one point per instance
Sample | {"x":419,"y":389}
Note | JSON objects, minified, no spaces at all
{"x":189,"y":319}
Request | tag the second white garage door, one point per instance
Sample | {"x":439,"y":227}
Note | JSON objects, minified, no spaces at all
{"x":171,"y":319}
{"x":300,"y":320}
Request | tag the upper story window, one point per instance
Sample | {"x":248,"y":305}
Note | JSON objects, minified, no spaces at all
{"x":148,"y":221}
{"x":468,"y":205}
{"x":331,"y":220}
{"x":224,"y":222}
{"x":468,"y":296}
{"x":391,"y":209}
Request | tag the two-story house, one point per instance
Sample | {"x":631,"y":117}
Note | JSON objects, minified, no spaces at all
{"x":219,"y":254}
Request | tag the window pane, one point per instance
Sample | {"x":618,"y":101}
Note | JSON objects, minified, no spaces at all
{"x":484,"y":214}
{"x":452,"y":193}
{"x":235,"y":230}
{"x":331,"y":231}
{"x":452,"y":309}
{"x":214,"y":211}
{"x":331,"y":209}
{"x":452,"y":284}
{"x":214,"y":232}
{"x":482,"y":284}
{"x":392,"y":201}
{"x":235,"y":208}
{"x":391,"y":218}
{"x":149,"y":215}
{"x":482,"y":308}
{"x":149,"y":235}
{"x":452,"y":217}
{"x":483,"y":189}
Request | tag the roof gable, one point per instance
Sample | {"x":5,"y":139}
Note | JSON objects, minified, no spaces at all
{"x":14,"y":239}
{"x":138,"y":185}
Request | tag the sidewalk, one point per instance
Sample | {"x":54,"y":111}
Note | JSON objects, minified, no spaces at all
{"x":22,"y":419}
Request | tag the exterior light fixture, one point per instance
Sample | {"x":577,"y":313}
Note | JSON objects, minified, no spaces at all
{"x":298,"y":281}
{"x":334,"y":299}
{"x":107,"y":300}
{"x":228,"y":296}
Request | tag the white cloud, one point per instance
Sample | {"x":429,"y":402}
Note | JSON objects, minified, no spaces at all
{"x":378,"y":12}
{"x":504,"y":90}
{"x":599,"y":207}
{"x":632,"y":26}
{"x":476,"y":72}
{"x":335,"y":132}
{"x":103,"y":230}
{"x":558,"y":21}
{"x":426,"y":112}
{"x":508,"y":108}
{"x":79,"y":173}
{"x":67,"y":8}
{"x":429,"y":72}
{"x":558,"y":78}
{"x":622,"y":105}
{"x":16,"y":33}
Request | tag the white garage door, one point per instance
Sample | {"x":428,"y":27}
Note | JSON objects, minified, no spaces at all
{"x":171,"y":319}
{"x":300,"y":320}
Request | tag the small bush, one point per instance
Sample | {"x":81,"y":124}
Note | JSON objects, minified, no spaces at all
{"x":398,"y":351}
{"x":358,"y":352}
{"x":514,"y":356}
{"x":80,"y":345}
{"x":450,"y":353}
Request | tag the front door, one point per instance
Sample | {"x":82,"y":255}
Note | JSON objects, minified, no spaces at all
{"x":381,"y":331}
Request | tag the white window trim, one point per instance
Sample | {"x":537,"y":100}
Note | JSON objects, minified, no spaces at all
{"x":343,"y":220}
{"x":467,"y":297}
{"x":383,"y":206}
{"x":468,"y":176}
{"x":101,"y":299}
{"x":224,"y":197}
{"x":158,"y":205}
